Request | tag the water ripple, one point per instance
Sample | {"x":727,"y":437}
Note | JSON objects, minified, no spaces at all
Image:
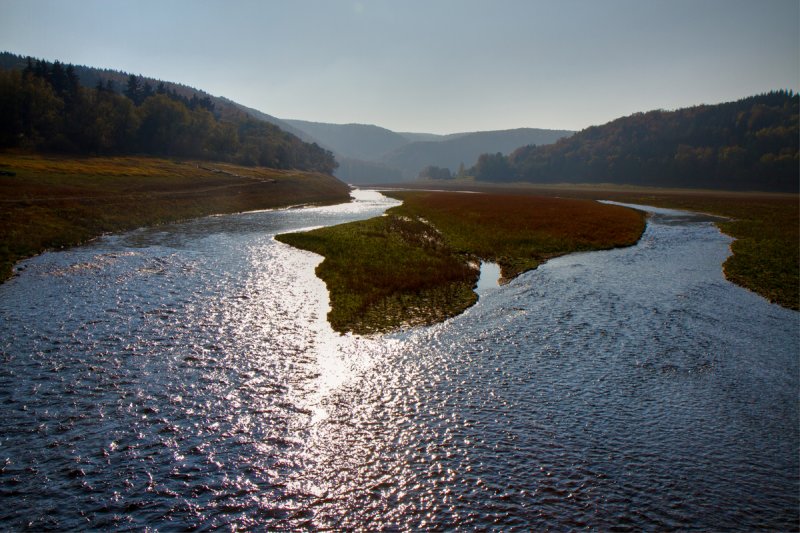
{"x":192,"y":381}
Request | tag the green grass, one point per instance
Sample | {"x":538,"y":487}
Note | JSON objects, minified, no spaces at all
{"x":417,"y":264}
{"x":55,"y":202}
{"x":388,"y":272}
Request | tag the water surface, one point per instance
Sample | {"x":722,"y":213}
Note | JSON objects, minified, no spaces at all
{"x":185,"y":377}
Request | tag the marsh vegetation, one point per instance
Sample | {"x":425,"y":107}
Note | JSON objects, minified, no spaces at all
{"x":765,"y":226}
{"x":418,"y":264}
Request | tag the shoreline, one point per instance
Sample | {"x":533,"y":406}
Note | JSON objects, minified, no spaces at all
{"x":764,"y":226}
{"x":51,"y":203}
{"x":412,"y":266}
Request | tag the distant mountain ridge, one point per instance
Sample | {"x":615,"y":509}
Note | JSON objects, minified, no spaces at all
{"x":464,"y":149}
{"x":358,"y":141}
{"x":372,"y":154}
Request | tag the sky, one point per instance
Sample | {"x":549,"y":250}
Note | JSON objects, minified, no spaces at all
{"x":436,"y":66}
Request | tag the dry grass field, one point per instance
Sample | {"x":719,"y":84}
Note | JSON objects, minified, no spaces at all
{"x":53,"y":202}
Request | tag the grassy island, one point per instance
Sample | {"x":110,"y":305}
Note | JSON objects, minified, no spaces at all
{"x":53,"y":202}
{"x":765,"y":226}
{"x":418,"y":264}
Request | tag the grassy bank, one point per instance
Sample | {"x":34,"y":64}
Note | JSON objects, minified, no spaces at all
{"x":766,"y":229}
{"x":53,"y":202}
{"x":765,"y":226}
{"x":417,"y":264}
{"x":388,"y":272}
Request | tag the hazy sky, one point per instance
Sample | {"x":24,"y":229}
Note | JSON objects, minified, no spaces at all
{"x":436,"y":66}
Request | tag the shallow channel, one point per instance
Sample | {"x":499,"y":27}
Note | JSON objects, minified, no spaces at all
{"x":185,"y":377}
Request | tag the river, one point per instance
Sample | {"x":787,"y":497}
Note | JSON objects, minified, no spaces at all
{"x":184,"y":377}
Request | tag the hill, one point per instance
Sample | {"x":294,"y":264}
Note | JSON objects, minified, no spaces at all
{"x":415,"y":137}
{"x":282,"y":124}
{"x":116,"y":81}
{"x":62,"y":108}
{"x":355,"y":141}
{"x":749,"y":144}
{"x":371,"y":154}
{"x":464,"y":149}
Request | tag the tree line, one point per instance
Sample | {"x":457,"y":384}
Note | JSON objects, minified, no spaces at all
{"x":749,"y":144}
{"x":45,"y":108}
{"x":433,"y":172}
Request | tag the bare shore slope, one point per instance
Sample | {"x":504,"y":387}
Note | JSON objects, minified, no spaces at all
{"x":53,"y":202}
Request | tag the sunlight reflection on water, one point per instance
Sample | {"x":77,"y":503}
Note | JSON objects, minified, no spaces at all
{"x":192,"y":381}
{"x":489,"y":278}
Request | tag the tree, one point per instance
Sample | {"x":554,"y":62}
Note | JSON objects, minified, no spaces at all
{"x":147,"y":91}
{"x":435,"y":173}
{"x":30,"y":109}
{"x":132,"y":89}
{"x":115,"y":123}
{"x":494,"y":168}
{"x":163,"y":125}
{"x":73,"y":82}
{"x":58,"y":78}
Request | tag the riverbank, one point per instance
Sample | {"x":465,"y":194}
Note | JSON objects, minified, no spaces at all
{"x":766,"y":231}
{"x":418,"y":264}
{"x":55,"y":202}
{"x":765,"y":226}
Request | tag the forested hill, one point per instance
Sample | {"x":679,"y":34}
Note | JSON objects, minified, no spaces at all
{"x":456,"y":151}
{"x":371,"y":154}
{"x":56,"y":107}
{"x":360,"y":141}
{"x":749,"y":144}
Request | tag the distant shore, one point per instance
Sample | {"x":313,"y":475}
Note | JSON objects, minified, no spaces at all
{"x":52,"y":202}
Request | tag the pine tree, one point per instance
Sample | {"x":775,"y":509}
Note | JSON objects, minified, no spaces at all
{"x":132,"y":90}
{"x":147,"y":91}
{"x":28,"y":71}
{"x":58,"y":78}
{"x":73,"y":83}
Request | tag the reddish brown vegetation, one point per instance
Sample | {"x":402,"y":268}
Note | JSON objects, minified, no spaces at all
{"x":519,"y":232}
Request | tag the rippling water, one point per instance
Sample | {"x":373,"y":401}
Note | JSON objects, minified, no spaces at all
{"x":185,"y":377}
